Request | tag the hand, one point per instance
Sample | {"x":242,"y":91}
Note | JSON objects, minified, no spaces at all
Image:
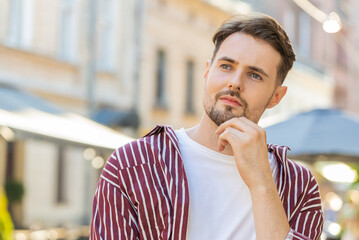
{"x":249,"y":146}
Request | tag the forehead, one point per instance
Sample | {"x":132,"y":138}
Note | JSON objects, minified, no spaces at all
{"x":250,"y":51}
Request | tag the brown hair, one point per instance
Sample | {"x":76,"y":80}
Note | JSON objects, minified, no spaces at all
{"x":263,"y":27}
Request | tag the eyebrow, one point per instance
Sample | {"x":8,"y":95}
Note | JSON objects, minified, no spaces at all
{"x":254,"y":68}
{"x":228,"y":60}
{"x":260,"y":70}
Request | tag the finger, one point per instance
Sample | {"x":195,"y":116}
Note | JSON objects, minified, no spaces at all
{"x":250,"y":123}
{"x":241,"y":124}
{"x":223,"y":139}
{"x":229,"y":136}
{"x":222,"y":144}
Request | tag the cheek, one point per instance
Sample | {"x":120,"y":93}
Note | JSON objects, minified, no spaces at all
{"x":258,"y":100}
{"x":214,"y":85}
{"x":207,"y":96}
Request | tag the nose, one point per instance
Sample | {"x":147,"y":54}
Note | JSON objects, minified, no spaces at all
{"x":236,"y":81}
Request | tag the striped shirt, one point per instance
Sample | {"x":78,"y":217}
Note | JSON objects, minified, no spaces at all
{"x":143,"y":192}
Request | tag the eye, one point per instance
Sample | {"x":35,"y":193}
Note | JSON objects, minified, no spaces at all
{"x":225,"y":66}
{"x":255,"y":76}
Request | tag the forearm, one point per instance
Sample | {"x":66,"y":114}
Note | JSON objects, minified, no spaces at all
{"x":269,"y":216}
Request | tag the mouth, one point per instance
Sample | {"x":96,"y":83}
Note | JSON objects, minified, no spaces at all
{"x":230,"y":101}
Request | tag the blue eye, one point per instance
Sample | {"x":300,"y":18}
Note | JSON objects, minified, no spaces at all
{"x":255,"y":76}
{"x":225,"y":66}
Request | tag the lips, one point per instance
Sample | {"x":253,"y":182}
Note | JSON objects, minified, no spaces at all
{"x":230,"y":100}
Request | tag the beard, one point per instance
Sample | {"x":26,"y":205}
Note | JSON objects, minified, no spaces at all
{"x":221,"y":116}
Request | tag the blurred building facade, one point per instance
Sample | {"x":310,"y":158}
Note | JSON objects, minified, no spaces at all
{"x":53,"y":156}
{"x":69,"y":53}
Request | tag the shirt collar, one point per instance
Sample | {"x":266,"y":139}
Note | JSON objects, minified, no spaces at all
{"x":280,"y":152}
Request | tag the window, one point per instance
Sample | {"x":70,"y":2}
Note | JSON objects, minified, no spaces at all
{"x":66,"y":44}
{"x":15,"y":21}
{"x":61,"y":179}
{"x":289,"y":24}
{"x":190,"y":88}
{"x":10,"y":160}
{"x":20,"y":23}
{"x":106,"y":36}
{"x":304,"y":35}
{"x":160,"y":80}
{"x":341,"y":56}
{"x":344,"y":8}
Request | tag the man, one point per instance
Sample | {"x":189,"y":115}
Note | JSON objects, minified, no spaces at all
{"x":219,"y":179}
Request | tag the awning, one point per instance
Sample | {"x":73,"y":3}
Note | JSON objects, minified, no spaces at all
{"x":321,"y":132}
{"x":113,"y":117}
{"x":25,"y":113}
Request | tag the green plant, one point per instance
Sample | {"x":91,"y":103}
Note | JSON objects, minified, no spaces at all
{"x":14,"y":190}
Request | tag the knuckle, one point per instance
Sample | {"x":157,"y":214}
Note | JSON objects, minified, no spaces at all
{"x":263,"y":132}
{"x":224,"y":133}
{"x":228,"y":131}
{"x":247,"y":141}
{"x":259,"y":133}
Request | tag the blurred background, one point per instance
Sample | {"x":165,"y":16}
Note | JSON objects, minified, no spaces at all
{"x":79,"y":78}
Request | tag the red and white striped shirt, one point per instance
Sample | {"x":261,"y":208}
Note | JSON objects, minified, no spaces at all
{"x":143,"y":192}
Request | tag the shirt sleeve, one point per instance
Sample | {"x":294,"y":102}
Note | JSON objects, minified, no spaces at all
{"x":308,"y":224}
{"x":113,"y":215}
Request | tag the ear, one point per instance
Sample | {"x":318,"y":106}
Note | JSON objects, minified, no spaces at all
{"x":208,"y":66}
{"x":279,"y":93}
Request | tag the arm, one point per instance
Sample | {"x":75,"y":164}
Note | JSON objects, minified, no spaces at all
{"x":248,"y":144}
{"x":269,"y":217}
{"x":113,"y":216}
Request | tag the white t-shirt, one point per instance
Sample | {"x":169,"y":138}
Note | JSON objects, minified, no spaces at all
{"x":220,"y":202}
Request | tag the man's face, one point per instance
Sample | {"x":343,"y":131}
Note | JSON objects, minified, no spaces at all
{"x":241,"y":80}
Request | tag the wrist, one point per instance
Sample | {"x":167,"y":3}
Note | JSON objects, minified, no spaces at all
{"x":264,"y":186}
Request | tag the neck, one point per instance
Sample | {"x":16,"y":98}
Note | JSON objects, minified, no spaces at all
{"x":204,"y":134}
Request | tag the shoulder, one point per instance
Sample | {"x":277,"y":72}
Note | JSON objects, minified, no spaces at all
{"x":299,"y":173}
{"x":144,"y":150}
{"x":127,"y":157}
{"x":130,"y":160}
{"x":292,"y":174}
{"x":297,"y":187}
